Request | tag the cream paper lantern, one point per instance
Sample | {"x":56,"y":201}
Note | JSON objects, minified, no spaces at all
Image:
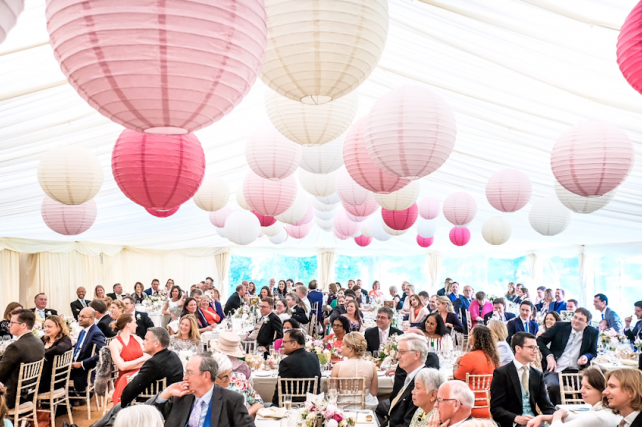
{"x":366,"y":228}
{"x":549,"y":216}
{"x":273,"y":230}
{"x":322,"y":207}
{"x":317,"y":185}
{"x":332,"y":199}
{"x":325,"y":215}
{"x":325,"y":224}
{"x":311,"y":125}
{"x":426,"y":228}
{"x":212,"y":195}
{"x":323,"y":159}
{"x":297,"y":211}
{"x":581,"y":204}
{"x":321,"y":50}
{"x":242,"y":227}
{"x":9,"y":12}
{"x":496,"y":230}
{"x":70,"y":174}
{"x":279,"y":238}
{"x":401,"y":199}
{"x":240,"y":199}
{"x":391,"y":231}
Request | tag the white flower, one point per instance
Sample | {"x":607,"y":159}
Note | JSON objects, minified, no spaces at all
{"x":331,"y":423}
{"x":138,"y":317}
{"x":48,"y":313}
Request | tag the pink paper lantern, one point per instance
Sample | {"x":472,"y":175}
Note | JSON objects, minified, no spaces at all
{"x":298,"y":232}
{"x":169,"y":67}
{"x":158,"y":171}
{"x":308,"y":217}
{"x":400,"y":220}
{"x":629,"y":43}
{"x":361,"y":167}
{"x":339,"y":235}
{"x":163,"y":213}
{"x":363,"y":241}
{"x":267,"y":197}
{"x":509,"y":190}
{"x":355,"y":218}
{"x":343,"y":225}
{"x":218,"y":218}
{"x":429,"y":208}
{"x":460,"y":208}
{"x":350,"y":192}
{"x":592,"y":158}
{"x":69,"y":220}
{"x":425,"y":243}
{"x":264,"y":220}
{"x":271,"y":155}
{"x":410,"y":132}
{"x":459,"y":236}
{"x":365,"y":209}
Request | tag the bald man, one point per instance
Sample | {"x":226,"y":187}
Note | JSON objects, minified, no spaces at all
{"x":80,"y":303}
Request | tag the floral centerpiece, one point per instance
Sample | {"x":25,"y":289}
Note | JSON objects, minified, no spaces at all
{"x":567,"y":315}
{"x":611,"y":339}
{"x":637,"y":344}
{"x":154,"y":303}
{"x":324,"y":351}
{"x":329,"y":414}
{"x":388,"y":352}
{"x":37,"y":330}
{"x":540,"y":318}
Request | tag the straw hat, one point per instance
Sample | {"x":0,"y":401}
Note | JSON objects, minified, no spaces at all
{"x":229,"y":343}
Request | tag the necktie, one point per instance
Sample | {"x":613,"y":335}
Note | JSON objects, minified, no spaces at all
{"x":525,"y":378}
{"x":80,"y":338}
{"x":526,"y":327}
{"x":622,"y":424}
{"x":382,"y":337}
{"x":396,"y":399}
{"x":602,"y":316}
{"x":82,"y":301}
{"x":195,"y":416}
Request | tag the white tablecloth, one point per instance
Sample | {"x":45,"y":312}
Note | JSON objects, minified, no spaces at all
{"x":157,"y":318}
{"x":607,"y":366}
{"x":271,"y":422}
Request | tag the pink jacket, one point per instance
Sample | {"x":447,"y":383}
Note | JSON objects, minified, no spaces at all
{"x":474,"y":310}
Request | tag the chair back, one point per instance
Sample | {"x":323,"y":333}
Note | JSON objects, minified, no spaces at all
{"x":311,"y":327}
{"x":109,"y":340}
{"x":249,"y":347}
{"x":295,"y":387}
{"x":480,"y":384}
{"x":28,"y":381}
{"x":153,"y":389}
{"x":570,"y":385}
{"x":61,"y":370}
{"x":352,"y":390}
{"x":468,"y":320}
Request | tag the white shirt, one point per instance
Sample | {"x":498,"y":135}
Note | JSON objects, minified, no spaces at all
{"x":598,"y":416}
{"x":568,"y":359}
{"x":519,"y":367}
{"x":457,"y":424}
{"x":628,"y":420}
{"x":412,"y":375}
{"x":308,"y":307}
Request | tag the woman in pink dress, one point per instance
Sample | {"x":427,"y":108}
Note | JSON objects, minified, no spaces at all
{"x":479,"y":308}
{"x":126,"y":352}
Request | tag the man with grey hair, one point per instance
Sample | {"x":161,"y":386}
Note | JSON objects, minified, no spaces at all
{"x":375,"y":337}
{"x":197,"y":401}
{"x":454,"y":403}
{"x":236,"y":300}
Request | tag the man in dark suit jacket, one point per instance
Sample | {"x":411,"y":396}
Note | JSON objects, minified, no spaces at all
{"x":271,"y":327}
{"x":221,"y":408}
{"x":142,"y":319}
{"x":296,"y":312}
{"x":432,"y":361}
{"x":507,"y":391}
{"x":299,"y":363}
{"x":80,"y":303}
{"x":373,"y":335}
{"x":163,"y":364}
{"x":90,"y":341}
{"x":499,"y":309}
{"x":523,"y":322}
{"x":316,"y":296}
{"x":572,"y":347}
{"x":235,"y":300}
{"x":104,"y":319}
{"x":41,"y":310}
{"x":463,"y":302}
{"x":118,"y":292}
{"x":635,"y":332}
{"x":26,"y":349}
{"x":153,"y":290}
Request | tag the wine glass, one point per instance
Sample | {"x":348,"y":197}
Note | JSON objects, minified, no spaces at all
{"x":375,"y":354}
{"x":287,"y":402}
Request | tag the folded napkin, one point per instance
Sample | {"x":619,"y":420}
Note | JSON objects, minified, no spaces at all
{"x":272,"y":412}
{"x":629,"y":362}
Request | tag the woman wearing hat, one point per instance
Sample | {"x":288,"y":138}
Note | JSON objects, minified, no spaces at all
{"x":229,"y":344}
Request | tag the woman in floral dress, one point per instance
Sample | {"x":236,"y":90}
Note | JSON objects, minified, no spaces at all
{"x":237,"y":382}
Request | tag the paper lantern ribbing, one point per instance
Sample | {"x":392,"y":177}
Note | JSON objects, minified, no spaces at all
{"x":509,"y":190}
{"x":70,"y":174}
{"x":392,"y":231}
{"x":68,"y":220}
{"x":592,"y":158}
{"x":350,"y":192}
{"x":343,"y":225}
{"x":240,"y":199}
{"x":365,"y":209}
{"x":325,"y":216}
{"x":163,"y":213}
{"x":400,"y":199}
{"x":9,"y":12}
{"x":158,"y":171}
{"x":339,"y":235}
{"x":325,"y":224}
{"x":322,"y":50}
{"x":459,"y":236}
{"x":298,"y":231}
{"x":400,"y":220}
{"x":280,"y":238}
{"x":311,"y":125}
{"x":460,"y":208}
{"x":218,"y":218}
{"x":168,"y":67}
{"x":307,"y":217}
{"x":267,"y":197}
{"x":582,"y":205}
{"x":426,"y":228}
{"x":264,"y":220}
{"x":374,"y":227}
{"x":212,"y":195}
{"x":549,"y":217}
{"x":323,"y":159}
{"x":322,"y":207}
{"x":355,"y":218}
{"x":496,"y":230}
{"x":271,"y":155}
{"x":332,"y":199}
{"x":410,"y":132}
{"x":221,"y":232}
{"x":425,"y":242}
{"x":629,"y":42}
{"x":363,"y":241}
{"x":273,"y":230}
{"x":317,"y":185}
{"x":297,"y":211}
{"x":361,"y":167}
{"x":242,"y":227}
{"x":429,"y":208}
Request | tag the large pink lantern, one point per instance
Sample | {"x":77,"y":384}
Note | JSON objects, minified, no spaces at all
{"x":308,"y":217}
{"x":410,"y":132}
{"x":298,"y":231}
{"x":169,"y":67}
{"x":459,"y":236}
{"x":362,"y":240}
{"x":400,"y":220}
{"x":365,"y":209}
{"x":425,"y":243}
{"x":271,"y":155}
{"x":629,"y":43}
{"x":429,"y":208}
{"x":163,"y":213}
{"x":343,"y":225}
{"x":158,"y":171}
{"x":361,"y":167}
{"x":267,"y":197}
{"x":592,"y":158}
{"x":339,"y":235}
{"x":264,"y":220}
{"x":68,"y":219}
{"x":218,"y":218}
{"x":355,"y":218}
{"x":350,"y":192}
{"x":460,"y":208}
{"x":509,"y":190}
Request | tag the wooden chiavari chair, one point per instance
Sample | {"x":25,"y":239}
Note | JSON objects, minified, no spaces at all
{"x":59,"y":391}
{"x":28,"y":382}
{"x":295,"y":387}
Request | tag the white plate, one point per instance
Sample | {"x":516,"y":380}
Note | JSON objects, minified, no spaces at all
{"x":381,"y":373}
{"x":262,"y":373}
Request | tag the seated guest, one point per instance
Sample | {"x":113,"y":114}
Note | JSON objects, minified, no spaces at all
{"x":116,"y":308}
{"x":216,"y":303}
{"x":299,"y":363}
{"x":142,"y":319}
{"x":603,"y":326}
{"x":511,"y":292}
{"x":57,"y":342}
{"x":190,"y":402}
{"x":265,"y":292}
{"x":41,"y":310}
{"x":99,"y":293}
{"x":170,"y":284}
{"x":293,"y":324}
{"x":376,"y":337}
{"x":479,"y":308}
{"x":544,"y":306}
{"x":187,"y":337}
{"x":229,"y":344}
{"x":209,"y":313}
{"x":499,"y":312}
{"x":139,"y":294}
{"x":624,"y":395}
{"x":523,"y":323}
{"x":235,"y":301}
{"x":572,"y":305}
{"x":424,"y":396}
{"x":394,"y":294}
{"x":174,"y":304}
{"x":541,"y":290}
{"x":454,"y":292}
{"x":451,"y":320}
{"x":138,"y":416}
{"x":315,"y":296}
{"x":572,"y":347}
{"x":251,"y":289}
{"x":631,"y":333}
{"x":340,"y":327}
{"x":80,"y":303}
{"x":550,"y":319}
{"x":90,"y":341}
{"x":354,"y":316}
{"x":238,"y":383}
{"x":163,"y":363}
{"x":281,"y":291}
{"x":462,"y":303}
{"x":302,"y":292}
{"x":417,"y":310}
{"x":191,"y":307}
{"x":446,"y":289}
{"x":118,"y":293}
{"x":500,"y":333}
{"x":434,"y":329}
{"x":26,"y":349}
{"x":268,"y":328}
{"x":517,"y":388}
{"x":425,"y":297}
{"x":376,"y":293}
{"x":281,"y":309}
{"x":297,"y":308}
{"x":354,"y":347}
{"x":104,"y":319}
{"x":5,"y":323}
{"x":454,"y":403}
{"x":339,"y":300}
{"x":559,"y":304}
{"x":601,"y":302}
{"x":154,"y":289}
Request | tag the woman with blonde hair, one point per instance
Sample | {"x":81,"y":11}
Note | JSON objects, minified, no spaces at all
{"x":57,"y":342}
{"x":544,"y":304}
{"x":187,"y":337}
{"x":139,"y":293}
{"x":139,"y":416}
{"x":511,"y":292}
{"x":418,"y":310}
{"x":4,"y":324}
{"x":4,"y":411}
{"x":99,"y":292}
{"x":447,"y":313}
{"x":116,"y":308}
{"x":354,"y":347}
{"x":500,"y":334}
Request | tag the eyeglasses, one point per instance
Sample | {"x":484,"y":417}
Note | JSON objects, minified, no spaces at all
{"x":530,"y":347}
{"x":445,"y":400}
{"x":16,"y":323}
{"x":402,"y":352}
{"x":190,"y":373}
{"x":288,"y":341}
{"x":224,"y":378}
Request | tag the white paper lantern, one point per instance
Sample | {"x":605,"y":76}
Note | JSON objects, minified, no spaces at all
{"x":321,"y":50}
{"x":9,"y":12}
{"x":70,"y":174}
{"x":317,"y":185}
{"x":323,"y":159}
{"x":581,"y":204}
{"x":212,"y":195}
{"x":271,"y":155}
{"x":299,"y":231}
{"x":332,"y":199}
{"x":311,"y":125}
{"x":350,"y":192}
{"x":339,"y":235}
{"x":273,"y":230}
{"x":496,"y":230}
{"x":426,"y":228}
{"x":391,"y":231}
{"x":322,"y":207}
{"x":297,"y":210}
{"x":242,"y":227}
{"x":279,"y":238}
{"x":325,"y":215}
{"x":219,"y":217}
{"x":400,"y":199}
{"x":325,"y":224}
{"x":68,"y":220}
{"x":221,"y":232}
{"x":549,"y":217}
{"x":373,"y":228}
{"x":240,"y":199}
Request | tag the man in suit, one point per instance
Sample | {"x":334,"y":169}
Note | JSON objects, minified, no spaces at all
{"x":269,"y":327}
{"x":463,"y":302}
{"x":153,"y":290}
{"x":341,"y":308}
{"x":499,"y":312}
{"x":41,"y":311}
{"x":634,"y":333}
{"x":432,"y":304}
{"x":432,"y":361}
{"x":523,"y":322}
{"x":118,"y":292}
{"x":299,"y":363}
{"x":454,"y":403}
{"x":80,"y":303}
{"x":572,"y":305}
{"x":315,"y":296}
{"x":518,"y":388}
{"x":296,"y":312}
{"x":601,"y":302}
{"x":198,"y":402}
{"x":623,"y":393}
{"x":163,"y":364}
{"x":104,"y":319}
{"x":235,"y":301}
{"x":26,"y":349}
{"x":572,"y":346}
{"x":90,"y":341}
{"x":442,"y":292}
{"x":302,"y":292}
{"x":142,"y":319}
{"x":375,"y":337}
{"x":559,"y":304}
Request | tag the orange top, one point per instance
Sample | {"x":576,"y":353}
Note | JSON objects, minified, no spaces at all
{"x":475,"y":363}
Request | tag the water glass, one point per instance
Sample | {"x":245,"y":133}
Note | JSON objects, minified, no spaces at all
{"x":287,"y":402}
{"x":375,"y":354}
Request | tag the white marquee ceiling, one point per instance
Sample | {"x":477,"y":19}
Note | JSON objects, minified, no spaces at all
{"x":516,"y":74}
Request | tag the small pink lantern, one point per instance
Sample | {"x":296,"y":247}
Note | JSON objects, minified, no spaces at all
{"x":267,"y":197}
{"x":459,"y":236}
{"x":309,"y":216}
{"x":158,"y":171}
{"x":271,"y":155}
{"x":339,"y":235}
{"x":264,"y":220}
{"x":365,"y":209}
{"x":509,"y":190}
{"x":363,"y":241}
{"x":429,"y":208}
{"x":460,"y":208}
{"x":300,"y":231}
{"x":68,"y":219}
{"x":164,"y":213}
{"x":350,"y":192}
{"x":592,"y":158}
{"x":425,"y":243}
{"x":361,"y":167}
{"x":218,"y":218}
{"x":168,"y":67}
{"x":400,"y":220}
{"x":343,"y":225}
{"x":629,"y":43}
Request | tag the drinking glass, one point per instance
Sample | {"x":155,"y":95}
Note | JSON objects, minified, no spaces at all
{"x":332,"y":395}
{"x":287,"y":402}
{"x":375,"y":354}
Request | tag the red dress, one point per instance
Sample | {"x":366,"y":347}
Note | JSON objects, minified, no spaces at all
{"x":131,"y":351}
